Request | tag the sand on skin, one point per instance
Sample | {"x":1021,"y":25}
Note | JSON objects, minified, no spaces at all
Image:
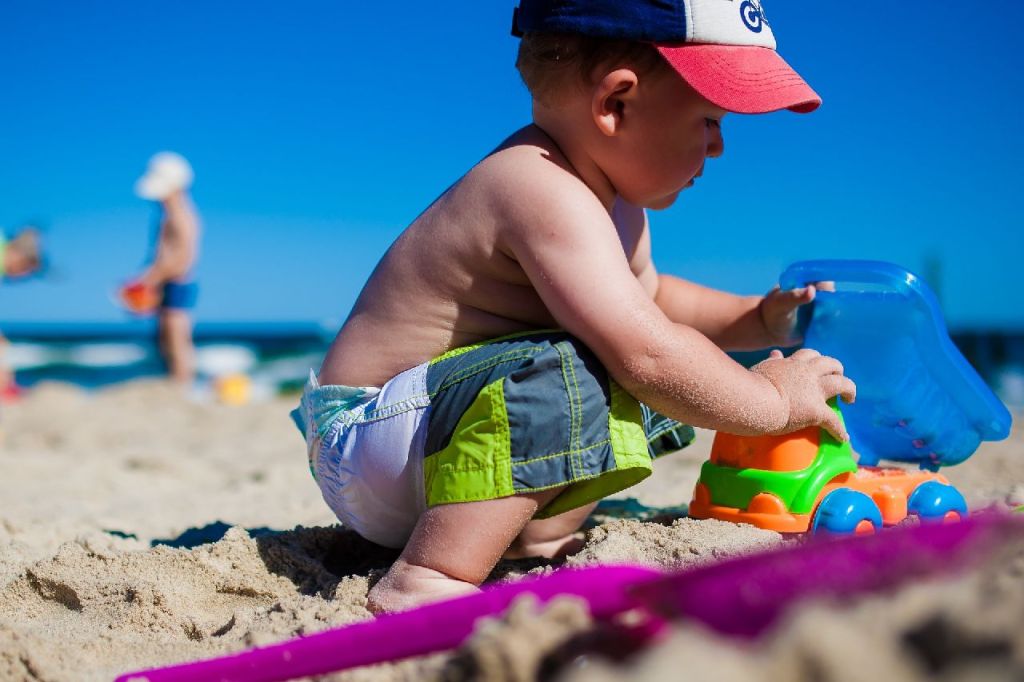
{"x":90,"y":481}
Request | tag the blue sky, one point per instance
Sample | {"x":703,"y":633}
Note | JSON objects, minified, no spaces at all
{"x":319,"y":129}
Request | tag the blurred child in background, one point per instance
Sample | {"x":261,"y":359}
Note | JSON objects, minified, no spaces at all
{"x":20,"y":257}
{"x":167,"y":285}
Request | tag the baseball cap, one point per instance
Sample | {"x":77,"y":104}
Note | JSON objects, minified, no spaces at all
{"x":166,"y":173}
{"x":725,"y":49}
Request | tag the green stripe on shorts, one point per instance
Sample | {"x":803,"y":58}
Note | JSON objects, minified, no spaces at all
{"x":476,"y":463}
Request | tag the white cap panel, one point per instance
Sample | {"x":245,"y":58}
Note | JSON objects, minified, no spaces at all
{"x":728,"y":22}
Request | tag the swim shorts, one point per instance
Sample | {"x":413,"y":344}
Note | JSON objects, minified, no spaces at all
{"x":179,"y":295}
{"x":519,"y":414}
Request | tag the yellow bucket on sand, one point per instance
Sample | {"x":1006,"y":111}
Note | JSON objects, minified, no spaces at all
{"x":233,"y":389}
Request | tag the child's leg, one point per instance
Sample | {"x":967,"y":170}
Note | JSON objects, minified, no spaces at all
{"x":6,"y":375}
{"x":550,"y":538}
{"x":453,"y":548}
{"x":513,"y":395}
{"x":176,"y":343}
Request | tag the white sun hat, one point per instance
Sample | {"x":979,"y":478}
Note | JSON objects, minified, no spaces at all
{"x":166,"y":174}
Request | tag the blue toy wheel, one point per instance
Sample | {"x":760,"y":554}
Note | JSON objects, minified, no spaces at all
{"x":843,"y":510}
{"x":931,"y":501}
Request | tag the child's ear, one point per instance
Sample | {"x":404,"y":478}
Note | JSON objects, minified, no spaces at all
{"x":612,"y":95}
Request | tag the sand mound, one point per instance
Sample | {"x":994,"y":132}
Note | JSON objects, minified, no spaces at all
{"x":683,"y":544}
{"x":134,"y":609}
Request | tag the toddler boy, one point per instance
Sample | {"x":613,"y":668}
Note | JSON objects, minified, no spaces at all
{"x":506,"y":363}
{"x":173,"y":255}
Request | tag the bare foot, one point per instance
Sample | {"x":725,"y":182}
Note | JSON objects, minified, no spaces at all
{"x":406,"y":586}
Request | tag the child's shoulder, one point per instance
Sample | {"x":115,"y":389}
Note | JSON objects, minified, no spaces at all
{"x":528,"y":179}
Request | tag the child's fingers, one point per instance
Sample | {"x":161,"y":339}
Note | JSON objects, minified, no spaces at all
{"x":776,"y":354}
{"x":805,"y":354}
{"x":828,"y":365}
{"x":838,"y":385}
{"x":831,"y":422}
{"x":825,"y":286}
{"x":798,"y":296}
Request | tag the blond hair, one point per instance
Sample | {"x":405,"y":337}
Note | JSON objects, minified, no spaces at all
{"x":549,"y":63}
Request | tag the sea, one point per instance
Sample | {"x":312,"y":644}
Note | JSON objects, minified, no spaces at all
{"x":278,"y":356}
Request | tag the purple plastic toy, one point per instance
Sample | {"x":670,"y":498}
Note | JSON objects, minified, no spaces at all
{"x":741,"y":597}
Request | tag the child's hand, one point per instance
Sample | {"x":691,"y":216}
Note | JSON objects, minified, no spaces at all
{"x":806,"y":380}
{"x":779,"y":312}
{"x":139,"y":298}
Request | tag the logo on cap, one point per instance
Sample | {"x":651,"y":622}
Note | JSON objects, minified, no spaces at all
{"x":752,"y":15}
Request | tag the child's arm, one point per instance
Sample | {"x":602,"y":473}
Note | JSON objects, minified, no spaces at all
{"x":734,"y":322}
{"x":566,"y":243}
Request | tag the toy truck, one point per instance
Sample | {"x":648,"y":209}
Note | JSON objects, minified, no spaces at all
{"x":809,"y":481}
{"x":918,"y":401}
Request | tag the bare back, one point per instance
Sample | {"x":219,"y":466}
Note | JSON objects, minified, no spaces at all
{"x":447,"y":281}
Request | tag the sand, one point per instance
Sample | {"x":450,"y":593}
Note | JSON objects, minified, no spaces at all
{"x":139,"y":529}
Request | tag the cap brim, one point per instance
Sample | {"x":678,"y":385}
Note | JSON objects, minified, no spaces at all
{"x":742,"y":79}
{"x":151,"y":188}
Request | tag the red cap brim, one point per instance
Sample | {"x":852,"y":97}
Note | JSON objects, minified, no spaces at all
{"x":742,"y":79}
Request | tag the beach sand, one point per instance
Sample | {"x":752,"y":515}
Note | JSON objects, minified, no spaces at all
{"x":138,"y":529}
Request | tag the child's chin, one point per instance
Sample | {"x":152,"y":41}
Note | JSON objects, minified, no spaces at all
{"x":664,"y":202}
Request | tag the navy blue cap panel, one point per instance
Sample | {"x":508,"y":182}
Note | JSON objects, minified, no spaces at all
{"x":656,"y":21}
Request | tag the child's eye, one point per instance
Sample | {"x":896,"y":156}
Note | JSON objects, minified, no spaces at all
{"x":713,"y":123}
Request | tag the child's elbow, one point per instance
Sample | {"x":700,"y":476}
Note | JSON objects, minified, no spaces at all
{"x":640,"y":370}
{"x":642,"y":352}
